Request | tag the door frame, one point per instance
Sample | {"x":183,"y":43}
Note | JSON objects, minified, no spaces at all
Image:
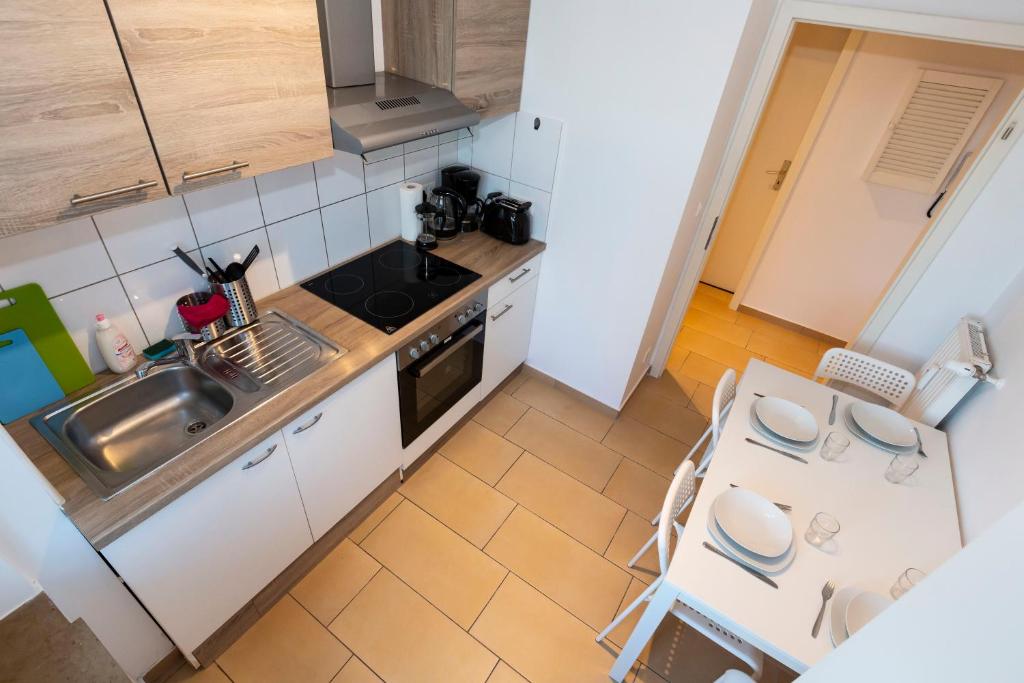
{"x":787,"y":14}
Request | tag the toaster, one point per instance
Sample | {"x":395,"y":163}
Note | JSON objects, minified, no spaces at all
{"x":506,"y":218}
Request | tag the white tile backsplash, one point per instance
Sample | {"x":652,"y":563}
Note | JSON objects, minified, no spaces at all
{"x":535,"y":150}
{"x":423,"y":161}
{"x":153,"y":292}
{"x":422,"y":143}
{"x":448,"y":154}
{"x":385,"y":214}
{"x":60,"y":258}
{"x":450,"y":136}
{"x":492,"y":146}
{"x":224,"y":211}
{"x":78,"y":309}
{"x":381,"y":173}
{"x":142,"y":234}
{"x":287,"y":192}
{"x":339,"y":177}
{"x":491,"y":183}
{"x":346,"y":229}
{"x":262,"y":276}
{"x":538,"y":211}
{"x":298,"y":247}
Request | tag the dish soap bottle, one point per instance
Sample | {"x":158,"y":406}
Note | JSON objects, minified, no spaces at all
{"x":115,"y":348}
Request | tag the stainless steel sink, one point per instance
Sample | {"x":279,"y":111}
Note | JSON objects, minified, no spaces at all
{"x":116,"y":436}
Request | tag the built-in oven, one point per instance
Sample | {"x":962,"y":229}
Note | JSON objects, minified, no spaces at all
{"x":439,"y":368}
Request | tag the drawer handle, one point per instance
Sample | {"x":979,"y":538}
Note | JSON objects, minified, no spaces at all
{"x":141,"y":185}
{"x":308,"y":425}
{"x":257,"y":461}
{"x":508,"y":307}
{"x":234,"y":166}
{"x":520,"y":276}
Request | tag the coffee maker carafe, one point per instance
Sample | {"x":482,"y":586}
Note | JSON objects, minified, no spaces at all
{"x":466,"y":182}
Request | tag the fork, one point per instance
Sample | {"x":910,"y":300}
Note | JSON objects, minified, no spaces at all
{"x":826,"y":594}
{"x":781,"y":506}
{"x":920,"y":446}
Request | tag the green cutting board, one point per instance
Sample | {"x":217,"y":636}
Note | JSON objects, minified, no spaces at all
{"x":30,"y":310}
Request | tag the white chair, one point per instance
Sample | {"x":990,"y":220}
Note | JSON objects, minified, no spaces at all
{"x":890,"y":382}
{"x":679,"y":497}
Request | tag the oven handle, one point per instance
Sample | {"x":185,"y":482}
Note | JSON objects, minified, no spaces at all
{"x":455,"y":346}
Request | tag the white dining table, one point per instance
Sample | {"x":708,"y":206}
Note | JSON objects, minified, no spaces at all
{"x":884,"y":528}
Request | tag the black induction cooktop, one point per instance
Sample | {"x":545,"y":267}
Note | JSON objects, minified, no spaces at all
{"x":391,"y":286}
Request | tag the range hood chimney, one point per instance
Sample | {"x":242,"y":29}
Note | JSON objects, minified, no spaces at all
{"x":374,"y":110}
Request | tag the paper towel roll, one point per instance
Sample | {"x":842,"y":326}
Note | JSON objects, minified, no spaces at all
{"x":409,"y":195}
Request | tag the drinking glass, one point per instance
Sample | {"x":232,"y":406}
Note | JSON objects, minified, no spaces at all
{"x":835,"y":445}
{"x":822,"y":528}
{"x":901,"y":467}
{"x":907,"y":580}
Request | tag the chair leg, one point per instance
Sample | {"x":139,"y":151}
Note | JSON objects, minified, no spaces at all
{"x":654,"y":520}
{"x":625,"y":613}
{"x":643,"y":549}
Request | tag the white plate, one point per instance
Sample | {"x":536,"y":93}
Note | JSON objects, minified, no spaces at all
{"x":761,"y":564}
{"x":851,"y":424}
{"x":753,"y":522}
{"x":775,"y":438}
{"x":884,"y":424}
{"x":786,"y":419}
{"x":837,"y":615}
{"x":863,"y":608}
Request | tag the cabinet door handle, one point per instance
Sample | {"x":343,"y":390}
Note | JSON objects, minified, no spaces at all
{"x":141,"y":185}
{"x":508,"y":307}
{"x":520,"y":276}
{"x":256,"y":461}
{"x":308,"y":425}
{"x":234,"y":166}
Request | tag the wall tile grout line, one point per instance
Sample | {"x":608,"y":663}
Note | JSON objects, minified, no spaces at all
{"x":124,"y":289}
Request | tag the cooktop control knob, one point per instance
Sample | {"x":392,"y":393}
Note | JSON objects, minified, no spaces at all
{"x":469,"y":312}
{"x":424,"y":346}
{"x":477,"y":307}
{"x":461,"y":318}
{"x":414,"y":353}
{"x":433,"y":339}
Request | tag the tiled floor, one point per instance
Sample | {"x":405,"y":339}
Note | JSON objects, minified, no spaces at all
{"x":500,"y":559}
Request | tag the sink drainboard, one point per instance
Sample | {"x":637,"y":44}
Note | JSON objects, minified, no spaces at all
{"x":269,"y":352}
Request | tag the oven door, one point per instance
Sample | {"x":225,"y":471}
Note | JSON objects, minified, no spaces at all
{"x":436,"y":382}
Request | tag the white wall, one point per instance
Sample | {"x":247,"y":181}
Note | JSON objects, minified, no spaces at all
{"x":637,"y":87}
{"x":961,"y":624}
{"x":840,"y":239}
{"x":15,"y":588}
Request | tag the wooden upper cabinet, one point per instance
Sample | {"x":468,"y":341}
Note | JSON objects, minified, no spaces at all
{"x":475,"y":48}
{"x":70,"y":127}
{"x":230,"y":88}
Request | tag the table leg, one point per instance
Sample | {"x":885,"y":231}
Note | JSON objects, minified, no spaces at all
{"x":661,"y":602}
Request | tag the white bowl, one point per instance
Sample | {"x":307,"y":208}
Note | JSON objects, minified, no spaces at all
{"x":863,"y":608}
{"x":837,"y":614}
{"x":884,"y":424}
{"x":753,"y":522}
{"x":766,"y":565}
{"x":786,"y":419}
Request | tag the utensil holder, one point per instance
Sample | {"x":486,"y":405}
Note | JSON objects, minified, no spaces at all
{"x":241,"y":307}
{"x":209,"y":332}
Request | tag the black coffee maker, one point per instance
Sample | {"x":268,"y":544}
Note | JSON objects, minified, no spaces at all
{"x":466,"y":182}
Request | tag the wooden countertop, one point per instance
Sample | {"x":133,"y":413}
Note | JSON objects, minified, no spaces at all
{"x":103,"y":521}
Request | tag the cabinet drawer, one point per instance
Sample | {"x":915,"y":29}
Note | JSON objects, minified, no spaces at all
{"x":200,"y":559}
{"x":513,"y":280}
{"x":509,"y":324}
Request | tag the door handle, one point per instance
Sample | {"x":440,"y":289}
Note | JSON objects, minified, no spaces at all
{"x":308,"y":425}
{"x":256,"y":461}
{"x":234,"y":166}
{"x":520,"y":276}
{"x":780,"y":175}
{"x":508,"y":307}
{"x":141,"y":185}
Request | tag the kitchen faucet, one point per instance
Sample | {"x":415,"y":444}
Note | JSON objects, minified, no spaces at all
{"x":186,"y":353}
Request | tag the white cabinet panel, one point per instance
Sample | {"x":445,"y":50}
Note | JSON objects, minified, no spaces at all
{"x":509,"y":323}
{"x":347,"y":445}
{"x":200,"y":559}
{"x":512,"y":281}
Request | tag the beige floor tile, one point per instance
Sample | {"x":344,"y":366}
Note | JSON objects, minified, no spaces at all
{"x":577,"y":412}
{"x":333,"y":583}
{"x":708,"y":304}
{"x":676,"y":358}
{"x":437,"y":563}
{"x":714,"y":292}
{"x":671,"y":386}
{"x":356,"y":672}
{"x":211,"y":674}
{"x":480,"y":451}
{"x":703,"y":399}
{"x":637,"y":488}
{"x":710,"y":324}
{"x":767,"y":328}
{"x":668,"y":417}
{"x":571,"y":506}
{"x":575,"y":577}
{"x":503,"y":673}
{"x":784,"y":351}
{"x":500,"y":413}
{"x":646,"y":445}
{"x":287,"y":644}
{"x":620,"y":634}
{"x":521,"y":377}
{"x":375,"y":517}
{"x":709,"y":346}
{"x":573,"y":453}
{"x":539,"y":639}
{"x":703,"y":369}
{"x":403,"y":638}
{"x":629,"y":537}
{"x":462,"y":502}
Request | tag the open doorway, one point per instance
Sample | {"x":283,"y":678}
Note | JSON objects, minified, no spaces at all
{"x":860,"y":135}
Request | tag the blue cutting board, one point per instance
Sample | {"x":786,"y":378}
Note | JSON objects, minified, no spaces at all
{"x":28,"y":383}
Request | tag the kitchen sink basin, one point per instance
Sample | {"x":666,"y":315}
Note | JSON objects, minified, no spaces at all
{"x":121,"y":433}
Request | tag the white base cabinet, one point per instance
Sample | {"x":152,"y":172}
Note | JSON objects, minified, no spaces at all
{"x":200,"y":559}
{"x":509,"y":324}
{"x":344,"y":447}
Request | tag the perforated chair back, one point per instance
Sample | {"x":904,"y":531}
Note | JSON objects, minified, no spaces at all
{"x":679,"y":495}
{"x":890,"y":382}
{"x":725,"y":392}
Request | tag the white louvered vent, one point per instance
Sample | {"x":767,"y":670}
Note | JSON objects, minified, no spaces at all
{"x":936,"y":118}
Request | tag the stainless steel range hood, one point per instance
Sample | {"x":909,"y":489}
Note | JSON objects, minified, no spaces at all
{"x":391,"y":111}
{"x":370,"y":111}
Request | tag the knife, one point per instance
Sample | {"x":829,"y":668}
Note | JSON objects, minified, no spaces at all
{"x":776,"y":450}
{"x":832,"y":415}
{"x":742,"y":566}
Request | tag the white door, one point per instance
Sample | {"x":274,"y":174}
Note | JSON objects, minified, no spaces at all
{"x":200,"y":559}
{"x":509,"y":323}
{"x":347,"y":445}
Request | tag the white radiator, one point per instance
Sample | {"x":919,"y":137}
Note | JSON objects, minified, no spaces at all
{"x":960,"y":362}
